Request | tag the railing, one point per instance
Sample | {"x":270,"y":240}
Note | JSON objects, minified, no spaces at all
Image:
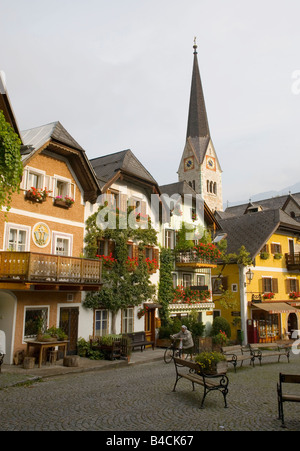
{"x":293,"y":261}
{"x":33,"y":267}
{"x":190,"y":258}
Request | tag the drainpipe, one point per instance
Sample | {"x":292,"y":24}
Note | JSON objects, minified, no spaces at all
{"x":243,"y":302}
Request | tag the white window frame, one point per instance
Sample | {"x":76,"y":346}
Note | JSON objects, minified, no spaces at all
{"x":34,"y":307}
{"x":70,"y":186}
{"x":102,"y":321}
{"x":64,"y":236}
{"x":18,"y":227}
{"x":127,"y":317}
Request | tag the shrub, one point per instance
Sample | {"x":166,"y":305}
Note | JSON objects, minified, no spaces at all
{"x":220,"y":324}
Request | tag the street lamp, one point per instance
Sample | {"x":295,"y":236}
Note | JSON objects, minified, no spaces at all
{"x":249,"y":275}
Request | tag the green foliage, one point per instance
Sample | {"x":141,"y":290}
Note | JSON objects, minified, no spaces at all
{"x":11,"y":168}
{"x":220,"y":324}
{"x":84,"y":349}
{"x":207,"y":360}
{"x":165,"y":287}
{"x":121,"y":288}
{"x":173,"y":326}
{"x":182,"y":244}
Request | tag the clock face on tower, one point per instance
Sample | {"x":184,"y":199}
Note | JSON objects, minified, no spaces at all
{"x":211,"y":163}
{"x":189,"y":163}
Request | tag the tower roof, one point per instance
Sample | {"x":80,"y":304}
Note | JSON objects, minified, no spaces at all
{"x":197,"y":122}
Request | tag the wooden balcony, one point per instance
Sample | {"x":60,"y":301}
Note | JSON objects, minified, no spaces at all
{"x":293,"y":261}
{"x":190,"y":259}
{"x":44,"y":269}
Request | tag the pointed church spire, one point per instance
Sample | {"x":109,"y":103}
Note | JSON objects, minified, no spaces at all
{"x":197,"y":121}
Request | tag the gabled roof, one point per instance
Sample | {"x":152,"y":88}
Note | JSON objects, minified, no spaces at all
{"x":37,"y":137}
{"x":108,"y":167}
{"x":253,"y":230}
{"x":55,"y":138}
{"x":265,"y":204}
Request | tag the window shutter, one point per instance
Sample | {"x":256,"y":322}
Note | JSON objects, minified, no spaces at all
{"x":156,"y":254}
{"x":224,"y":283}
{"x":143,"y":208}
{"x":275,"y":285}
{"x":24,"y":180}
{"x":123,"y":203}
{"x":272,"y":248}
{"x":112,"y":248}
{"x":288,"y":285}
{"x":264,"y":285}
{"x":297,"y":285}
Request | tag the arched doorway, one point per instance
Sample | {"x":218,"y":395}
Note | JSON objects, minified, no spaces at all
{"x":292,"y":324}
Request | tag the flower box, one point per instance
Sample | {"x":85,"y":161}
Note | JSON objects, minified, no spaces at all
{"x":63,"y":202}
{"x":37,"y":195}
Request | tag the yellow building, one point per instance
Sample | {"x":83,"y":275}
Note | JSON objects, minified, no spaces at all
{"x":265,"y":295}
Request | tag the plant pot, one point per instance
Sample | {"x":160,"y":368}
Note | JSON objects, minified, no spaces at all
{"x":61,"y":203}
{"x":219,"y":368}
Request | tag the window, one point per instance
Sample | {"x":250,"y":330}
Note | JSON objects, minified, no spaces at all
{"x":269,"y":285}
{"x":174,"y":276}
{"x":63,"y":187}
{"x":101,"y":323}
{"x":36,"y":320}
{"x":169,"y":239}
{"x":35,"y":179}
{"x":17,"y":238}
{"x":276,"y":248}
{"x":187,"y":280}
{"x":127,"y":320}
{"x":292,"y":285}
{"x":219,"y":284}
{"x":200,"y":280}
{"x":149,"y":253}
{"x":62,"y":244}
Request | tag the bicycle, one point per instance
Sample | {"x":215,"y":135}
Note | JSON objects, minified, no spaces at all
{"x":171,"y":352}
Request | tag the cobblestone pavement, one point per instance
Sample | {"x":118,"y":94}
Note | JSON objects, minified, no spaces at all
{"x":140,"y":398}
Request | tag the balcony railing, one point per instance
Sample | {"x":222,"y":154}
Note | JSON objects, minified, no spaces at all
{"x":293,"y":261}
{"x":191,"y":259}
{"x":44,"y":268}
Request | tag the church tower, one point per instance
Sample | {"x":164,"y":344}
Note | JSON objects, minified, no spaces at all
{"x":199,"y":165}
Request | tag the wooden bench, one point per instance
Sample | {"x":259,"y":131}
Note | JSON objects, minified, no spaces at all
{"x":192,"y":371}
{"x":261,"y":350}
{"x":237,"y":353}
{"x":282,"y":397}
{"x":138,"y":339}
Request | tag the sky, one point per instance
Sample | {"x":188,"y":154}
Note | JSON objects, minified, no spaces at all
{"x":117,"y":75}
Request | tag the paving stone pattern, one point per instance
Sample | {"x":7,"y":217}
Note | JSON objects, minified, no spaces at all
{"x":140,"y":398}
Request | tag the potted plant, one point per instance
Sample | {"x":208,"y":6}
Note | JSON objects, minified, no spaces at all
{"x":63,"y":202}
{"x":268,"y":296}
{"x":37,"y":195}
{"x":264,"y":255}
{"x":294,"y":295}
{"x":212,"y":362}
{"x":278,"y":256}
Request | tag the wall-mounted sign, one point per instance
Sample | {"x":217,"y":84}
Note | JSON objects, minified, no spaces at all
{"x":41,"y":234}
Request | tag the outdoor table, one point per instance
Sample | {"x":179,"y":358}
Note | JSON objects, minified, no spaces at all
{"x":41,"y":345}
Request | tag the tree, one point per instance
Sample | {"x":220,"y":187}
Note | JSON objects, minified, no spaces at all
{"x":123,"y":286}
{"x":11,"y":167}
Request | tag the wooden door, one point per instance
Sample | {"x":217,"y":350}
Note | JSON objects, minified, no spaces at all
{"x":150,"y":325}
{"x":69,"y":324}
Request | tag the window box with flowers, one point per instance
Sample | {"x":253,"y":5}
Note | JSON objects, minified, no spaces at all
{"x":64,"y":202}
{"x":188,"y":296}
{"x":268,"y":296}
{"x":294,"y":295}
{"x":107,"y":261}
{"x":132,"y":264}
{"x":207,"y":252}
{"x":37,"y":195}
{"x":152,"y":264}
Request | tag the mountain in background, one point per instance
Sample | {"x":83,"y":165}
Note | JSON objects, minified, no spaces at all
{"x":267,"y":195}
